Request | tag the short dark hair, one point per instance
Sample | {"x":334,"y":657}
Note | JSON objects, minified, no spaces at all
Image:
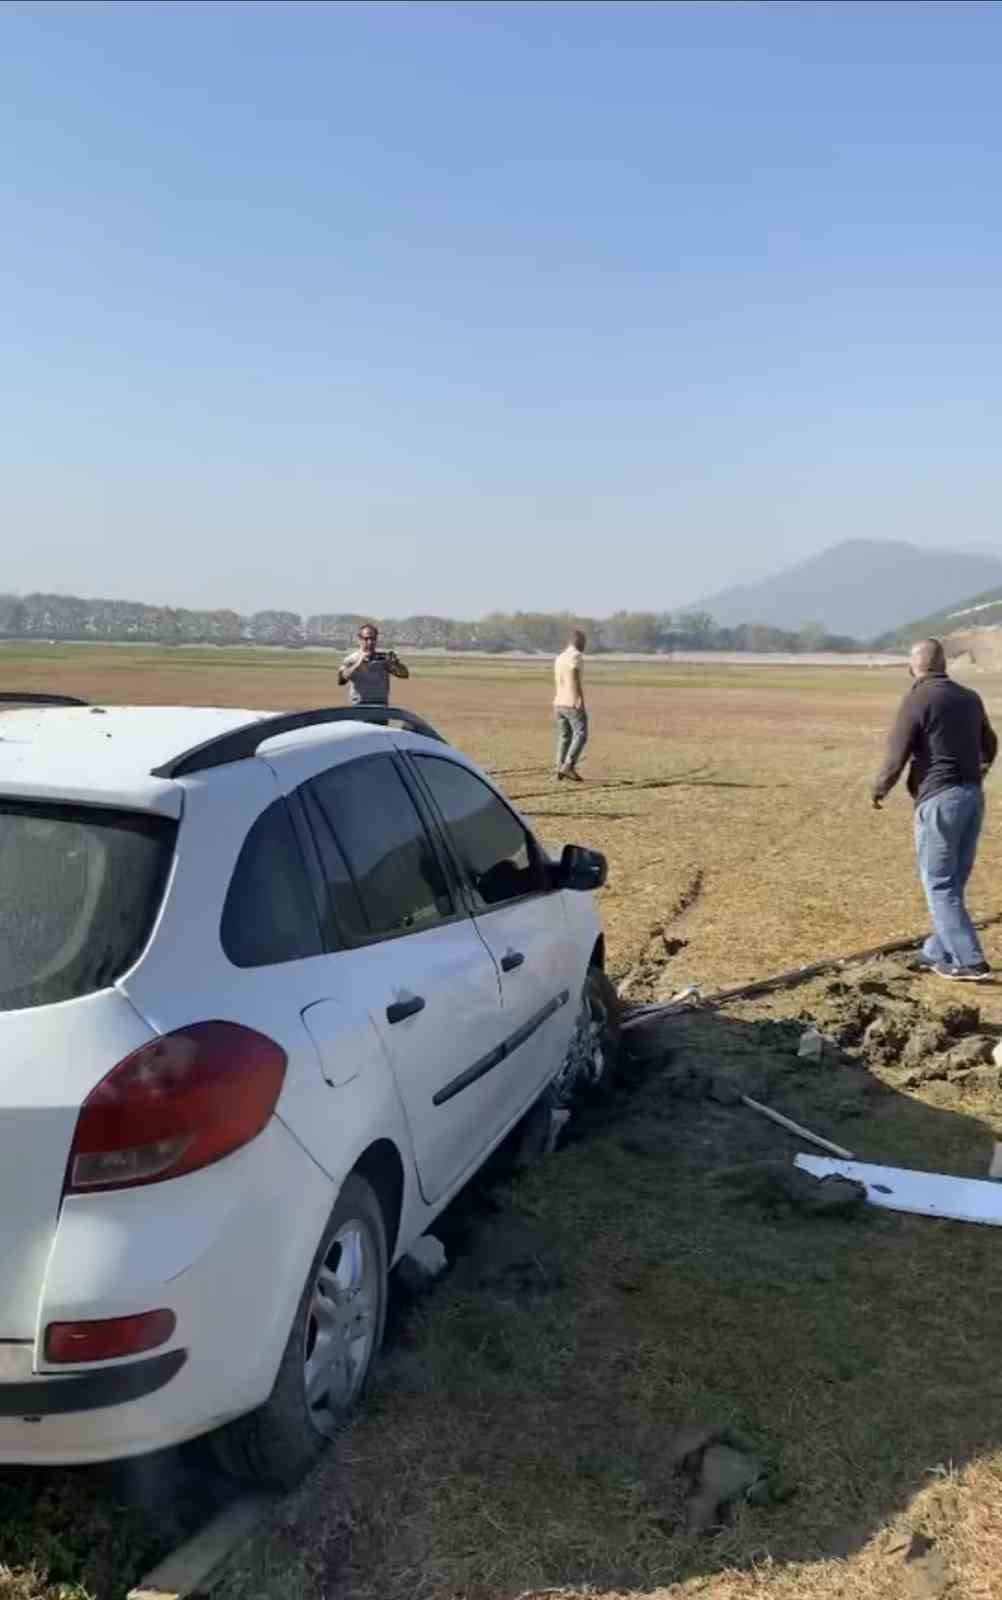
{"x":929,"y":655}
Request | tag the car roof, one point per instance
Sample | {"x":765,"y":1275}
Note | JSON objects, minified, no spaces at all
{"x":104,"y":755}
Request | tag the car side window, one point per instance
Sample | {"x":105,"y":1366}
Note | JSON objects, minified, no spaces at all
{"x":382,"y":871}
{"x":498,"y":856}
{"x":269,"y":915}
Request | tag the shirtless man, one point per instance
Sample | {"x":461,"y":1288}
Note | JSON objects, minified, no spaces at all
{"x":569,"y":707}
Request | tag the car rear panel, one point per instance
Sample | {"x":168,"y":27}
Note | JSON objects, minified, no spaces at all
{"x":50,"y":1059}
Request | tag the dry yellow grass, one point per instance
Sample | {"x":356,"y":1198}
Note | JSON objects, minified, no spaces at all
{"x":516,"y":1444}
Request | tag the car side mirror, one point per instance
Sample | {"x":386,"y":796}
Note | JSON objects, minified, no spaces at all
{"x":582,"y":869}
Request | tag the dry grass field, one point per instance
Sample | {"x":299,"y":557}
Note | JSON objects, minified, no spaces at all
{"x":518,"y":1440}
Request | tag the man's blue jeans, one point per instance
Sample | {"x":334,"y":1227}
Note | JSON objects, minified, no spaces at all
{"x":947,"y":828}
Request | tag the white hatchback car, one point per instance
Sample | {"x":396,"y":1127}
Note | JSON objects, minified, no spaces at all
{"x":271,"y":989}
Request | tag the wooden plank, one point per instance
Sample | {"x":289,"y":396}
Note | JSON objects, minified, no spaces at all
{"x":193,"y":1567}
{"x":795,"y":1127}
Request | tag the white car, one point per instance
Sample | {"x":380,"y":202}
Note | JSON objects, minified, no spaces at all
{"x":271,"y":990}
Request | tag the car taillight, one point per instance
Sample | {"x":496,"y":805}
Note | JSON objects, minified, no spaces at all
{"x":104,"y":1341}
{"x":176,"y":1104}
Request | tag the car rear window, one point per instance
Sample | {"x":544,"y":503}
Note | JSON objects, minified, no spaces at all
{"x":79,"y":889}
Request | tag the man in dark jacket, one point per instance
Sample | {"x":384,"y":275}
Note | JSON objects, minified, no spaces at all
{"x":943,"y":730}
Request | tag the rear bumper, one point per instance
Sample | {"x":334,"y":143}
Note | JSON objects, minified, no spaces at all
{"x":32,"y":1398}
{"x":227,"y":1249}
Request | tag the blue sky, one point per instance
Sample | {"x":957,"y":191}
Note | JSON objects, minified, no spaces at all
{"x":461,"y":307}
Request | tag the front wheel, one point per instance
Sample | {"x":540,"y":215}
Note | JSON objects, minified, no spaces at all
{"x":335,"y":1335}
{"x":602,"y":1003}
{"x":593,"y":1052}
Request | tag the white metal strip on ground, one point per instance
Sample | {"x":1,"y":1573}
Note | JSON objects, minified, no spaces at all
{"x":925,"y":1194}
{"x":194,"y":1566}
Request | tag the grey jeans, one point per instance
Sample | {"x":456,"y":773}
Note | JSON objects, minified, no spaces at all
{"x":572,"y":735}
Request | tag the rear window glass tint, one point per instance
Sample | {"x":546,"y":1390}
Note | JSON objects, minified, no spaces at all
{"x":269,"y":914}
{"x":79,"y":890}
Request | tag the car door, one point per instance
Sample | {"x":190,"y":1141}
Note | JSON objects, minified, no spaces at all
{"x":519,"y":916}
{"x":404,"y":948}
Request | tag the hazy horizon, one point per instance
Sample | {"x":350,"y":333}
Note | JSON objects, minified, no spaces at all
{"x":454,"y":308}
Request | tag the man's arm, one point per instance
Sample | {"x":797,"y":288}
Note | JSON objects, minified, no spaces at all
{"x":900,"y":749}
{"x":349,"y":667}
{"x":396,"y":666}
{"x":989,"y":742}
{"x":577,"y":682}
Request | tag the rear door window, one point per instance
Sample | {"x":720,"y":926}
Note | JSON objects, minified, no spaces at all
{"x":80,"y":887}
{"x":269,"y":915}
{"x":384,"y":876}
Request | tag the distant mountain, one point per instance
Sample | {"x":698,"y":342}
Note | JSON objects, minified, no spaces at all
{"x":981,"y":611}
{"x":860,"y":587}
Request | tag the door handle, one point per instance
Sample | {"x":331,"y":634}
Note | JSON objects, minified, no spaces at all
{"x":405,"y":1008}
{"x":513,"y":959}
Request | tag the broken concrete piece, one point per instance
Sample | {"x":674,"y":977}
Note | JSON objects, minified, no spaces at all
{"x":725,"y":1475}
{"x":812,"y":1046}
{"x":425,"y":1261}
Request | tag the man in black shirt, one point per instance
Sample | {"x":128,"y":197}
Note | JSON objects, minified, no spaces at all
{"x":942,"y":729}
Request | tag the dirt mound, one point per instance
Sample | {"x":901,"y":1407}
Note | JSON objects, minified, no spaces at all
{"x":879,"y":1016}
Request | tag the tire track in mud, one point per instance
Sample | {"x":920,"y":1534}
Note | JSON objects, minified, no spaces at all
{"x":698,"y":775}
{"x":642,"y":983}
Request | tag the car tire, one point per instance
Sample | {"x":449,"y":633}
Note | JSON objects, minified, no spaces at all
{"x":336,"y":1334}
{"x":603,"y":1005}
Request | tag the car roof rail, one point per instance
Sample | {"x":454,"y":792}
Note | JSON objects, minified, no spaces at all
{"x":28,"y":697}
{"x":240,"y":743}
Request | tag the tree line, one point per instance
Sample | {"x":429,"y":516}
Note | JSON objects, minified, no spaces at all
{"x":69,"y":617}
